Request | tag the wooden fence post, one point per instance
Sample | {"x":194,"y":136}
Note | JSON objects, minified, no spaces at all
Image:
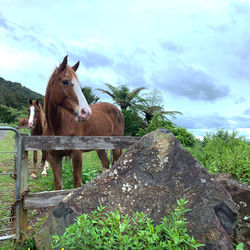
{"x":21,"y":213}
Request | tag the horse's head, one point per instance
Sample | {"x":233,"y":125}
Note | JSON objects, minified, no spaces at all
{"x":34,"y":113}
{"x":65,"y":91}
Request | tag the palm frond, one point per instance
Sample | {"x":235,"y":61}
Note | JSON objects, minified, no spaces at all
{"x":106,"y":92}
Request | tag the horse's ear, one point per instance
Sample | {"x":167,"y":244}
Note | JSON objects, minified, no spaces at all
{"x":64,"y":63}
{"x":30,"y":101}
{"x":37,"y":102}
{"x":75,"y":67}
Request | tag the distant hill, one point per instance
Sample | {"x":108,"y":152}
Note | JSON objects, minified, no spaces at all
{"x":14,"y":101}
{"x":13,"y":94}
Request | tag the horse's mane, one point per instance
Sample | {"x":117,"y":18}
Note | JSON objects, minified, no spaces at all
{"x":42,"y":115}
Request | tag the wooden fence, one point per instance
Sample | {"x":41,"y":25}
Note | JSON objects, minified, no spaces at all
{"x":52,"y":198}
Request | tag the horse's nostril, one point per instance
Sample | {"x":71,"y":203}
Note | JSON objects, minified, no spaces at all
{"x":83,"y":112}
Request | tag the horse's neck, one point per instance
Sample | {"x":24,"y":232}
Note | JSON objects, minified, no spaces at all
{"x":40,"y":123}
{"x":60,"y":122}
{"x":54,"y":120}
{"x":37,"y":130}
{"x":42,"y":118}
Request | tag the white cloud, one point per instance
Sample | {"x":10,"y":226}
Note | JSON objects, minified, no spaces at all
{"x":190,"y":81}
{"x":15,"y":59}
{"x":233,"y":122}
{"x":244,"y":132}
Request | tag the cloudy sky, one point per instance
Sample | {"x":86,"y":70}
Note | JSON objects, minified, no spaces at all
{"x":196,"y":52}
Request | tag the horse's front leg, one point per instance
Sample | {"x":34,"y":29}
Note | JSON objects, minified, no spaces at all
{"x":116,"y":154}
{"x":77,"y":168}
{"x":56,"y":164}
{"x":104,"y":159}
{"x":44,"y":163}
{"x":33,"y":175}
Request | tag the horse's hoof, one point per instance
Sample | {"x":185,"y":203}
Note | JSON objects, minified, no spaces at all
{"x":33,"y":176}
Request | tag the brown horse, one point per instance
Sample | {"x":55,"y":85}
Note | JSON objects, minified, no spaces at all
{"x":23,"y":122}
{"x":68,"y":114}
{"x":36,"y":123}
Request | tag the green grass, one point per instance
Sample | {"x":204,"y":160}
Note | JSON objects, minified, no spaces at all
{"x":91,"y":167}
{"x":6,"y":182}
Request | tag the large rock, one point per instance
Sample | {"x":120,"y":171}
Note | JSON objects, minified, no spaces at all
{"x":150,"y":176}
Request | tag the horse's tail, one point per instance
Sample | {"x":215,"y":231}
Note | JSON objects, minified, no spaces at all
{"x":119,"y":127}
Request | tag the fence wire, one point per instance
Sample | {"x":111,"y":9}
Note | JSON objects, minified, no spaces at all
{"x":8,"y":192}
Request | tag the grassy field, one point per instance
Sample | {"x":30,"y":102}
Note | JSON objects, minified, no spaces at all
{"x":6,"y":183}
{"x":91,"y":167}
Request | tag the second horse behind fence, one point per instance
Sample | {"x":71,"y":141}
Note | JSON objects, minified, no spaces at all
{"x":36,"y":123}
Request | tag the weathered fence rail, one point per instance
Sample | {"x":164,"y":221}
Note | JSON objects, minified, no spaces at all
{"x":77,"y":142}
{"x":45,"y":199}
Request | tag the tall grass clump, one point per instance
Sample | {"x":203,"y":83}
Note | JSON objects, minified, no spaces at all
{"x":111,"y":230}
{"x":224,"y":152}
{"x":47,"y":183}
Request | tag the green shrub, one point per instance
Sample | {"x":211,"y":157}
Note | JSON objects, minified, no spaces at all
{"x":239,"y":246}
{"x":133,"y":122}
{"x":102,"y":230}
{"x":185,"y":138}
{"x":11,"y":115}
{"x":222,"y":152}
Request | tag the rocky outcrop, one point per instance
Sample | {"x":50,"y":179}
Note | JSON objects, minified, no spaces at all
{"x":149,"y":177}
{"x":241,"y":196}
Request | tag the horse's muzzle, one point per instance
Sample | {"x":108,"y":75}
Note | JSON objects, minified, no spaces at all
{"x":31,"y":124}
{"x":83,"y":116}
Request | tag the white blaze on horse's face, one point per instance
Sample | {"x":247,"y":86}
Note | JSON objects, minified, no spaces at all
{"x":31,"y":117}
{"x":83,"y":111}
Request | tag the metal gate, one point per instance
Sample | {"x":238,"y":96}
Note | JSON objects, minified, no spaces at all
{"x":11,"y":191}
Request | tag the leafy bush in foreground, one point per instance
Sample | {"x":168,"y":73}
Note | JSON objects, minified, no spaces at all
{"x":101,"y":230}
{"x":222,"y":152}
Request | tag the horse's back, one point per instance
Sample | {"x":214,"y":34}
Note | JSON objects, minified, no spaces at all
{"x":107,"y":118}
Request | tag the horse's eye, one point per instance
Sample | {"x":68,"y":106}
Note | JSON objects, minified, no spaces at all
{"x":65,"y":82}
